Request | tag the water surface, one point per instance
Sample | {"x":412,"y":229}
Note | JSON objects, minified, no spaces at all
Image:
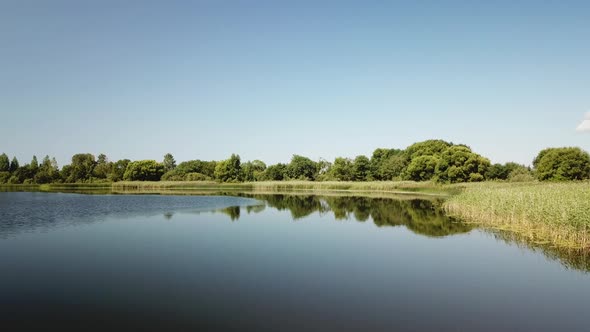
{"x":278,"y":262}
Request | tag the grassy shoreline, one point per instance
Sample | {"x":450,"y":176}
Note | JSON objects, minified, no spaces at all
{"x":402,"y":187}
{"x":553,"y":214}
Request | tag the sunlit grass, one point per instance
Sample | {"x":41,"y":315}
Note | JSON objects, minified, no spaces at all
{"x":380,"y":186}
{"x":556,"y":214}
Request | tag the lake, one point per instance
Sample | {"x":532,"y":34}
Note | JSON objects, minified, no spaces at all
{"x":252,"y":262}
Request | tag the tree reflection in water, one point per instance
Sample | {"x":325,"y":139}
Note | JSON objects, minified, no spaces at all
{"x":421,"y":216}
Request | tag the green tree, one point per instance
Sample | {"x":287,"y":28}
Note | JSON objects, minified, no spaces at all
{"x":253,"y":170}
{"x":393,"y":167}
{"x":47,"y":172}
{"x":13,"y":165}
{"x":4,"y":177}
{"x":379,"y":158}
{"x":4,"y":163}
{"x":301,"y":168}
{"x":421,"y":168}
{"x":361,"y":168}
{"x":433,"y":147}
{"x":169,"y":162}
{"x":34,"y":164}
{"x":342,"y":169}
{"x":275,"y":172}
{"x":81,"y":168}
{"x":144,"y":170}
{"x":103,"y":167}
{"x":65,"y":173}
{"x":118,"y":170}
{"x":323,"y":170}
{"x":559,"y":164}
{"x":497,"y":172}
{"x":503,"y":172}
{"x":229,"y":170}
{"x":206,"y":168}
{"x":458,"y":163}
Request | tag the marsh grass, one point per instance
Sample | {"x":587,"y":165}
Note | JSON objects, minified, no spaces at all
{"x":399,"y":187}
{"x":551,"y":214}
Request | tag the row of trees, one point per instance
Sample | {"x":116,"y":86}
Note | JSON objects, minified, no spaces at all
{"x":435,"y":160}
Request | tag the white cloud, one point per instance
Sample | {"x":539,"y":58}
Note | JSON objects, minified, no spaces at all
{"x":585,"y":125}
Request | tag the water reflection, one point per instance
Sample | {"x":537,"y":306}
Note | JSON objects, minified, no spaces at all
{"x":27,"y":212}
{"x":421,"y":216}
{"x":233,"y":212}
{"x":577,"y":259}
{"x":424,"y":217}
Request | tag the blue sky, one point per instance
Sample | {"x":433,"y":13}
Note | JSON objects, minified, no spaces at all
{"x":204,"y":79}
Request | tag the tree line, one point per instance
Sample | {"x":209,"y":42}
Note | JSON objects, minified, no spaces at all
{"x":431,"y":160}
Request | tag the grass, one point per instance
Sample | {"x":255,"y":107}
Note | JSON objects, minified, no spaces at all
{"x":399,"y":187}
{"x":554,"y":214}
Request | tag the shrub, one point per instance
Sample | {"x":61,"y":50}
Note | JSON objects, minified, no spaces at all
{"x":196,"y":177}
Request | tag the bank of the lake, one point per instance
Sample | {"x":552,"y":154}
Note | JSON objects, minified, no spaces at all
{"x":398,"y":187}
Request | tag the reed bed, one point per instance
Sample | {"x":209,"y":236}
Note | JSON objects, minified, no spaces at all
{"x":555,"y":214}
{"x":270,"y":186}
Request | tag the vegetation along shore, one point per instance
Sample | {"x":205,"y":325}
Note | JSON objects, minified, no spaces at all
{"x":548,"y":202}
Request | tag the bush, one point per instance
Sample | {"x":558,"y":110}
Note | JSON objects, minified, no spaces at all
{"x":144,"y":170}
{"x":4,"y":177}
{"x":521,"y":175}
{"x":173,"y":175}
{"x":196,"y":177}
{"x":475,"y":177}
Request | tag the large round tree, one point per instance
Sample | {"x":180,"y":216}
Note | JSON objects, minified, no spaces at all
{"x":560,"y":164}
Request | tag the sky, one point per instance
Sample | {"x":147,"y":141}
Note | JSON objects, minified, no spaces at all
{"x":269,"y":79}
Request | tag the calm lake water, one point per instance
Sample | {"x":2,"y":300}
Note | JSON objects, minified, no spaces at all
{"x":272,"y":263}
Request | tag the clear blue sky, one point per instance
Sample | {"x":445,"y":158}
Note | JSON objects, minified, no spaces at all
{"x":204,"y":79}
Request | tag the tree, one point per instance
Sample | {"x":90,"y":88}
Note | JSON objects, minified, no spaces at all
{"x":275,"y":172}
{"x":118,"y":170}
{"x":458,"y":163}
{"x":144,"y":170}
{"x":361,"y":168}
{"x":169,"y":162}
{"x":379,"y":157}
{"x":497,"y":172}
{"x":323,"y":171}
{"x":229,"y":170}
{"x":421,"y":168}
{"x":301,"y":168}
{"x":4,"y":163}
{"x":103,"y":167}
{"x":4,"y":177}
{"x":427,"y":148}
{"x":342,"y":169}
{"x":503,"y":172}
{"x":13,"y":165}
{"x":34,"y":164}
{"x":253,"y":170}
{"x":81,"y":168}
{"x":48,"y":171}
{"x":206,"y":168}
{"x":559,"y":164}
{"x":393,"y":167}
